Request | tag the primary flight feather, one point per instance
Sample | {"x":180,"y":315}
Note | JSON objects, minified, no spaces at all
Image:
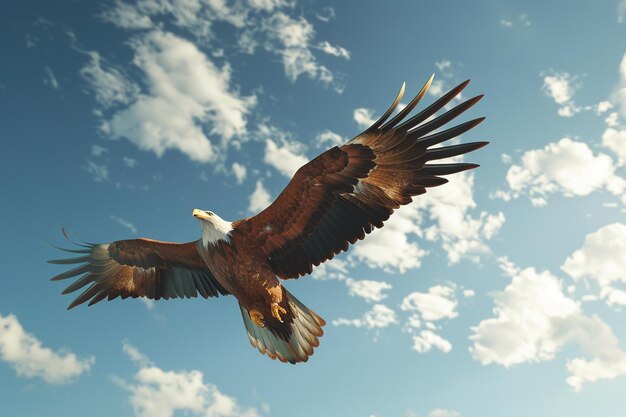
{"x":332,"y":201}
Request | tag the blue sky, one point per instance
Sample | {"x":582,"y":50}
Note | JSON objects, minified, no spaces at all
{"x":498,"y":294}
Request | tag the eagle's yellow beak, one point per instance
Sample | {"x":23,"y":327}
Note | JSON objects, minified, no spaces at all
{"x":199,"y":214}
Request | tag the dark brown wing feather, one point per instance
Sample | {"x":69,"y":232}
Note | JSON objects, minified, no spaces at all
{"x":138,"y":268}
{"x":344,"y":193}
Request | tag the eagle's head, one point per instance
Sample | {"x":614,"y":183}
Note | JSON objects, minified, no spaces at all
{"x":214,"y":228}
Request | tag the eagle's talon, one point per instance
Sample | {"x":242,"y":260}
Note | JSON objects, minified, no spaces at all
{"x":277,"y":311}
{"x":257,"y":318}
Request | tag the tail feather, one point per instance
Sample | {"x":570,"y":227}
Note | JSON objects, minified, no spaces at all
{"x":293,"y":340}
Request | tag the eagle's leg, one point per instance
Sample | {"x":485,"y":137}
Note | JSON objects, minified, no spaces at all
{"x":257,"y":318}
{"x":277,"y":310}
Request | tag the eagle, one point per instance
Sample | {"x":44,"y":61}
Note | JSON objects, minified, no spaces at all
{"x":331,"y":202}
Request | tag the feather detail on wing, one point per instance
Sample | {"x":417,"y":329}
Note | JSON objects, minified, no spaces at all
{"x":344,"y":193}
{"x":138,"y":268}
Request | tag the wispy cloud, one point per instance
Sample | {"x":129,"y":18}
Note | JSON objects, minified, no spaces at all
{"x":50,"y":80}
{"x":26,"y":355}
{"x":124,"y":223}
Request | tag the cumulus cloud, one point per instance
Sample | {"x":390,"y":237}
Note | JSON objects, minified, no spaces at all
{"x":371,"y":291}
{"x":185,"y":91}
{"x":561,"y":87}
{"x":363,"y":117}
{"x":615,"y":140}
{"x":26,"y":355}
{"x":161,"y":393}
{"x":379,"y":316}
{"x":602,"y":259}
{"x":443,"y":214}
{"x":389,"y":248}
{"x":462,"y":233}
{"x":567,"y":167}
{"x":286,"y":156}
{"x":436,"y":304}
{"x":329,"y":138}
{"x":533,"y":320}
{"x":427,"y":340}
{"x":260,"y":198}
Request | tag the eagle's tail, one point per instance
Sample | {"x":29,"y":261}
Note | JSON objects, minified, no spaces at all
{"x":291,"y":341}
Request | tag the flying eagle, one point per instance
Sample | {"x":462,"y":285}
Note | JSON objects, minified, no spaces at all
{"x":332,"y":201}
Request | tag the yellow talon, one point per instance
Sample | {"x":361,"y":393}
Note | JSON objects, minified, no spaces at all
{"x":277,"y":310}
{"x":257,"y":318}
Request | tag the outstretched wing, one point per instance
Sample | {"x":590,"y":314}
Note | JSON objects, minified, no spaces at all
{"x":344,"y":193}
{"x":138,"y":268}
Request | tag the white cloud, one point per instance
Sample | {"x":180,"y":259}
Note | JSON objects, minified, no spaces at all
{"x":533,"y":320}
{"x":444,"y":215}
{"x":567,"y":167}
{"x":334,"y":50}
{"x":286,"y":156}
{"x":291,"y":38}
{"x":109,"y":85}
{"x":389,"y":248}
{"x":602,"y":259}
{"x":50,"y":80}
{"x":621,"y":11}
{"x":370,"y":291}
{"x":615,"y":140}
{"x":363,"y":117}
{"x":99,"y":172}
{"x":98,"y":151}
{"x":612,"y":120}
{"x":469,"y":293}
{"x":427,"y":340}
{"x":127,"y":16}
{"x":330,"y":137}
{"x":449,"y":207}
{"x":124,"y":223}
{"x":159,"y":393}
{"x":24,"y":352}
{"x":603,"y":107}
{"x":259,"y":199}
{"x":328,"y":14}
{"x":240,"y":172}
{"x":186,"y":90}
{"x":436,"y":304}
{"x":506,"y":23}
{"x":129,"y":162}
{"x":561,"y":87}
{"x":443,"y":65}
{"x":267,"y":5}
{"x":379,"y":316}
